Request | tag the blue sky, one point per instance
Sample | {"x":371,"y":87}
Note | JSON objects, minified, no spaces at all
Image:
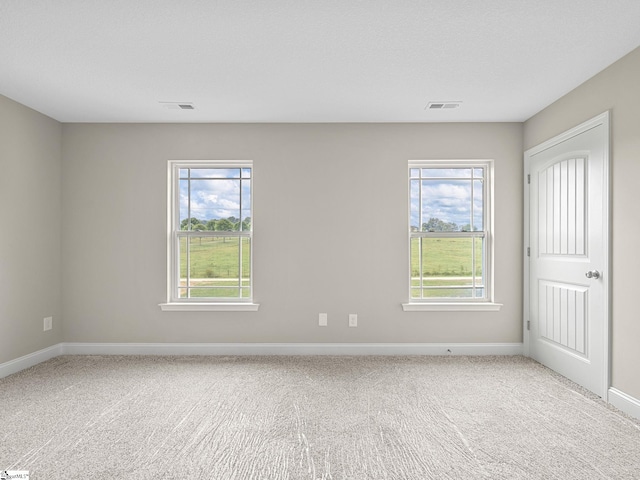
{"x":448,"y":200}
{"x":215,"y":194}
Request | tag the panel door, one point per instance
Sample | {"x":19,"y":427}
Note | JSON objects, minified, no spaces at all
{"x":568,"y":258}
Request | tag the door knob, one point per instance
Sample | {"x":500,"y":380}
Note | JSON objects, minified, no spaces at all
{"x":593,"y":274}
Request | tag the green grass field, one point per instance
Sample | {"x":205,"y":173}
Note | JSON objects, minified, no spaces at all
{"x":215,"y":267}
{"x":445,"y":257}
{"x":446,"y":262}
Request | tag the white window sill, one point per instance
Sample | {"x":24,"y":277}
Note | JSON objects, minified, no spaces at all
{"x":452,"y":307}
{"x":209,"y":307}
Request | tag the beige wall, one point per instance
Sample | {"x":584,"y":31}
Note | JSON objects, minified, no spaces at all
{"x":30,"y":165}
{"x":616,"y":89}
{"x":330,"y":213}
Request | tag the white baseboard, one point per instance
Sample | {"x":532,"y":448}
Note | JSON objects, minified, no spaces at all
{"x":73,"y":348}
{"x":292,"y":348}
{"x":624,"y":402}
{"x":619,"y":399}
{"x":26,"y":361}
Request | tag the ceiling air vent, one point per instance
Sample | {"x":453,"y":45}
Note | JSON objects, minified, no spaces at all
{"x":442,"y":105}
{"x":178,"y":105}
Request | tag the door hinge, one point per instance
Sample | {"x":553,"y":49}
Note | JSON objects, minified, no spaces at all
{"x":528,"y":251}
{"x":529,"y":178}
{"x":528,"y":324}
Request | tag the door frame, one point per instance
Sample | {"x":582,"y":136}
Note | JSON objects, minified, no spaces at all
{"x":602,"y":119}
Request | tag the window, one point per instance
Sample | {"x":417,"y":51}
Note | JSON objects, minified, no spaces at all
{"x":211,"y":235}
{"x":450,"y":233}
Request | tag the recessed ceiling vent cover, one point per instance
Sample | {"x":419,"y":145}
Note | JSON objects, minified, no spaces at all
{"x":442,"y":105}
{"x":178,"y":105}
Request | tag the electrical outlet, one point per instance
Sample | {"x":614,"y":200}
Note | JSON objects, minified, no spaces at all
{"x":48,"y":323}
{"x":353,"y":320}
{"x":323,"y":319}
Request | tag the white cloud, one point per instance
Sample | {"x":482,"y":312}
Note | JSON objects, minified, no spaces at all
{"x":212,"y":199}
{"x":208,"y":197}
{"x":449,"y":201}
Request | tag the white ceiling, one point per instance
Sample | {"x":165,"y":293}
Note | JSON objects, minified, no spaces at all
{"x":305,"y":60}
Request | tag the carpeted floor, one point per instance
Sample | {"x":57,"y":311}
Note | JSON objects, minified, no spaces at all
{"x":311,"y":418}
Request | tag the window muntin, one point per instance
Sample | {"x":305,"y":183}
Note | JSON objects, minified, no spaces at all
{"x":448,"y":228}
{"x":211,"y":232}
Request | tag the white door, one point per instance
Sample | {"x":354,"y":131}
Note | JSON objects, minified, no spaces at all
{"x":568,"y":258}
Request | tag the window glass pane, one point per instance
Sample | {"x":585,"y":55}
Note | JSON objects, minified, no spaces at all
{"x":182,"y":261}
{"x":215,"y":289}
{"x":184,"y":204}
{"x":478,"y":202}
{"x":215,"y":173}
{"x":478,"y":172}
{"x":245,"y":270}
{"x":479,"y":260}
{"x":447,"y":268}
{"x":214,"y":266}
{"x":245,"y":214}
{"x":414,"y":198}
{"x":246,"y":173}
{"x":447,"y":259}
{"x":446,"y":205}
{"x":415,"y":262}
{"x":449,"y":293}
{"x":213,"y":257}
{"x":414,"y":173}
{"x":446,"y":282}
{"x":215,"y":200}
{"x":446,"y":173}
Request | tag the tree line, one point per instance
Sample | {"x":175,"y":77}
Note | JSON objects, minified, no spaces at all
{"x":229,"y":224}
{"x":437,"y":225}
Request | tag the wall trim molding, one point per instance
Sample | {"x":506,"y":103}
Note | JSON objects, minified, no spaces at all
{"x":622,"y":401}
{"x":79,"y":348}
{"x":29,"y":360}
{"x":291,"y":348}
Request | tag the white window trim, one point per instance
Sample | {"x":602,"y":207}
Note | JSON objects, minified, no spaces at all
{"x":173,"y":211}
{"x":209,"y":307}
{"x":452,"y":307}
{"x":471,"y":304}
